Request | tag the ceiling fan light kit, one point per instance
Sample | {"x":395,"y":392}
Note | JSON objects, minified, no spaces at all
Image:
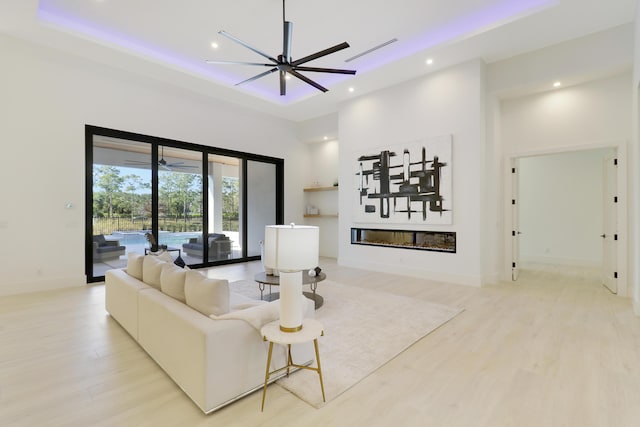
{"x":162,"y":163}
{"x":284,"y":64}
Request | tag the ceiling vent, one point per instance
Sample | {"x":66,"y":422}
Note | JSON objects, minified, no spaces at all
{"x":373,"y":49}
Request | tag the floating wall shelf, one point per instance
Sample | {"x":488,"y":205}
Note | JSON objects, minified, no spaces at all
{"x":333,"y":188}
{"x":321,"y":216}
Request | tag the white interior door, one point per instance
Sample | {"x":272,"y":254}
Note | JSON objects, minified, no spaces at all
{"x":515,"y":221}
{"x":610,"y":224}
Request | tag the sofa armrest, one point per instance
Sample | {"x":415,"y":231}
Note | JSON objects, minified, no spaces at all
{"x":121,"y":299}
{"x":213,"y":361}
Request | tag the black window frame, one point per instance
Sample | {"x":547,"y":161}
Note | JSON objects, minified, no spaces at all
{"x":205,"y":150}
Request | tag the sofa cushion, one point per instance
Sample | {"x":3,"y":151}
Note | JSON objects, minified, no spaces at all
{"x":99,"y":239}
{"x":208,"y":296}
{"x":151,"y":270}
{"x":134,"y":265}
{"x":172,"y":280}
{"x":164,"y":256}
{"x":257,"y":315}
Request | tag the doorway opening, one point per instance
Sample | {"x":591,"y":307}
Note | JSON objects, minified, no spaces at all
{"x":565,"y":211}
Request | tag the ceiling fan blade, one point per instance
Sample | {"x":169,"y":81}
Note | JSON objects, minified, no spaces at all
{"x":259,"y":52}
{"x":266,"y":73}
{"x":283,"y":83}
{"x":286,"y":43}
{"x":320,"y":54}
{"x":213,"y":61}
{"x":137,"y":162}
{"x":308,"y":81}
{"x":180,"y":166}
{"x":326,"y":70}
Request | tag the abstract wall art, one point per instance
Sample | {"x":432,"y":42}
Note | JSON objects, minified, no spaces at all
{"x":405,"y":184}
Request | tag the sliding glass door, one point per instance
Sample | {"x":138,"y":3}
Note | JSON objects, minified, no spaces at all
{"x":121,"y":202}
{"x":205,"y":205}
{"x":180,"y":202}
{"x":261,"y":196}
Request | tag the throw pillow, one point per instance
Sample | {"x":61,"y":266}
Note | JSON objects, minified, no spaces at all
{"x":151,"y":269}
{"x":179,"y":262}
{"x":134,"y":265}
{"x":164,"y":256}
{"x":208,"y":296}
{"x":172,"y":281}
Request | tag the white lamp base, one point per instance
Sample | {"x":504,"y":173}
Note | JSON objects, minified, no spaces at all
{"x":290,"y":301}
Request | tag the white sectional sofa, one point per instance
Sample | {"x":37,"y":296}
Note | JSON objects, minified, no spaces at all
{"x":214,"y":359}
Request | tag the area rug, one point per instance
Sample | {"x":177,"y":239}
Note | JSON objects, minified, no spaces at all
{"x":364,"y":329}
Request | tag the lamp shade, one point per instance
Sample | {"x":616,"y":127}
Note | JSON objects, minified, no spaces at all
{"x":291,"y":247}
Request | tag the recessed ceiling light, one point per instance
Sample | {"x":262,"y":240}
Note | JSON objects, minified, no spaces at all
{"x":557,"y":84}
{"x":325,"y":138}
{"x":351,"y":89}
{"x":429,"y":61}
{"x":214,"y":45}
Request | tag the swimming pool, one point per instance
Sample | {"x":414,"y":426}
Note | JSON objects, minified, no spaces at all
{"x":130,"y":238}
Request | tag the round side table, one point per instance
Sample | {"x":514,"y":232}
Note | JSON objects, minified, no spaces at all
{"x":311,"y":330}
{"x":264,"y":279}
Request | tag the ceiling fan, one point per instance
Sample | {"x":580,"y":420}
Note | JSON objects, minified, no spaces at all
{"x":284,"y":63}
{"x":161,"y":163}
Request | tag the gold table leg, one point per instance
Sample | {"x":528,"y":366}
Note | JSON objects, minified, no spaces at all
{"x":315,"y":344}
{"x":266,"y":375}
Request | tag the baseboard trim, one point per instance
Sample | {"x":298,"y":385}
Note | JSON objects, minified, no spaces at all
{"x":435,"y":276}
{"x":14,"y":287}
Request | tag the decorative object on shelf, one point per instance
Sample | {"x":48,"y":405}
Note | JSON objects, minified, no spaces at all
{"x":393,"y":187}
{"x":328,"y":204}
{"x":315,"y":272}
{"x":335,"y":183}
{"x":153,"y":244}
{"x":291,"y":249}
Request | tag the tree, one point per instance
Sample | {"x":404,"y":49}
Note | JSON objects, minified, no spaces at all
{"x":133,"y":184}
{"x":109,"y":180}
{"x":181,"y":192}
{"x":230,"y":199}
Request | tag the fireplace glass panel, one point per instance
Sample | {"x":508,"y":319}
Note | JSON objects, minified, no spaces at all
{"x":438,"y":241}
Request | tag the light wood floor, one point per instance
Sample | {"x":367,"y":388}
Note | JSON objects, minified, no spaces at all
{"x":553,"y":349}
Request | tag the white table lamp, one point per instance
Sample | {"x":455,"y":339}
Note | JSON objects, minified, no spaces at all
{"x":291,"y":249}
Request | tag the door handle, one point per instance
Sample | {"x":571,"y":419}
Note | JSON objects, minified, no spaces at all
{"x":603,"y":235}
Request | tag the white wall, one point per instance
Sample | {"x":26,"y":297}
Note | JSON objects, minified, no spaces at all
{"x":446,"y":102}
{"x":596,"y":57}
{"x":591,"y":115}
{"x":47,"y":98}
{"x":323,"y":171}
{"x":561,"y":208}
{"x":634,"y":172}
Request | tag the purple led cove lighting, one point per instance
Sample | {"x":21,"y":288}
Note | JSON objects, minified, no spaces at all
{"x":479,"y":21}
{"x":484,"y":19}
{"x":89,"y":31}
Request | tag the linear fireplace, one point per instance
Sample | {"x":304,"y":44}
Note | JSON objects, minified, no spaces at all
{"x":438,"y":241}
